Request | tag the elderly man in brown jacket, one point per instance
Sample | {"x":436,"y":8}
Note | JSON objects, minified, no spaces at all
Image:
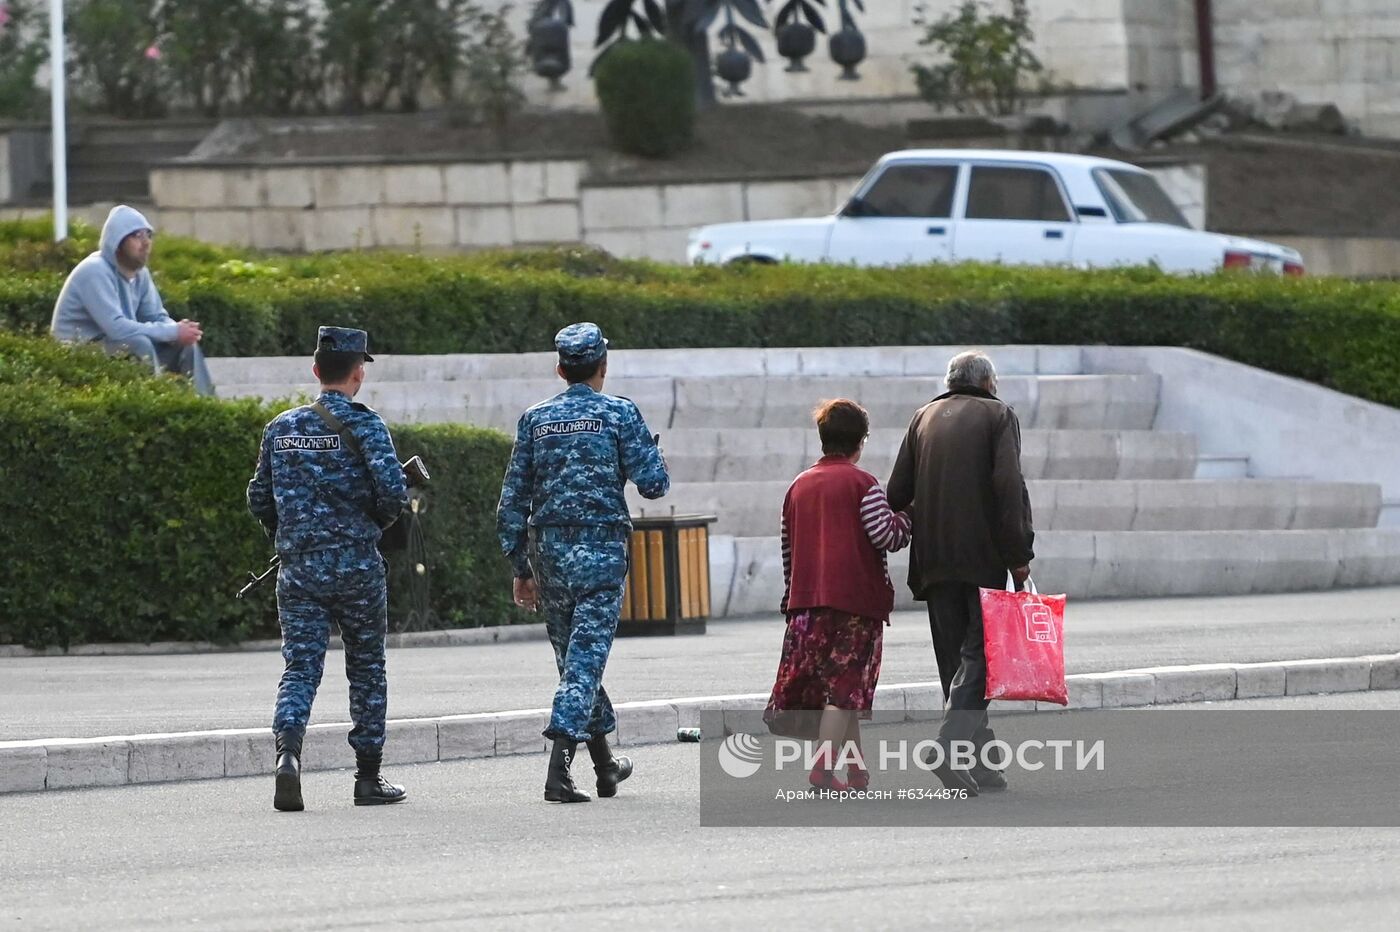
{"x":960,"y":468}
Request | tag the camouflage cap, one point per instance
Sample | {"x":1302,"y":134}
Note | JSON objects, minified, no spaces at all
{"x":580,"y":344}
{"x":344,"y":340}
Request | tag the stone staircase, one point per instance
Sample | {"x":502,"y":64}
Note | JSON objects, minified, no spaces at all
{"x":110,"y":160}
{"x":1121,"y":509}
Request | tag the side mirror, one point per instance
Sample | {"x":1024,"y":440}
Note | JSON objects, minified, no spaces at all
{"x":856,"y":207}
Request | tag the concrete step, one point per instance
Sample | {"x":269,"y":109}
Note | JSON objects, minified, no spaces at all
{"x":746,"y":573}
{"x":83,"y":192}
{"x":138,"y":153}
{"x":1085,"y":402}
{"x":132,"y":132}
{"x":751,"y":509}
{"x":927,"y":361}
{"x":711,"y":454}
{"x":1222,"y":466}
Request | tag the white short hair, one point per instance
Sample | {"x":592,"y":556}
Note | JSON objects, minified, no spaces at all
{"x":971,"y":369}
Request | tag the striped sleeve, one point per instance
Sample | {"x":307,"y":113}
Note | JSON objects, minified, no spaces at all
{"x":888,"y":530}
{"x":787,"y":563}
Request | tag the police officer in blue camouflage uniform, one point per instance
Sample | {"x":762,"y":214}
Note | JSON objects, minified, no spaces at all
{"x":563,"y":523}
{"x":326,"y":504}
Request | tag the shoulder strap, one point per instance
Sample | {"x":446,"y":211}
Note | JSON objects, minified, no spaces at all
{"x":348,"y":437}
{"x":335,"y":424}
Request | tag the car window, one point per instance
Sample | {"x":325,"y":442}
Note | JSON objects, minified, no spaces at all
{"x":913,"y":191}
{"x":1136,"y":197}
{"x":1015,"y":194}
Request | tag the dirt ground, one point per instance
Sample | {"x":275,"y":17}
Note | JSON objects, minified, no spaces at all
{"x":1308,"y":186}
{"x":730,"y":142}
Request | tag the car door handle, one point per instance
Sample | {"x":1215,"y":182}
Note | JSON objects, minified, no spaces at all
{"x":1054,"y":234}
{"x":937,"y":231}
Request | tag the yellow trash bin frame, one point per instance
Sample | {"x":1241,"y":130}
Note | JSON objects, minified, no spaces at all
{"x":668,"y":580}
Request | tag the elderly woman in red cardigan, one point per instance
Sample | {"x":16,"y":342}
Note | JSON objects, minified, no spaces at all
{"x":837,"y":527}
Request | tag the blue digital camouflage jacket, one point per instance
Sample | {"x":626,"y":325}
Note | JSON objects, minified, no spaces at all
{"x":573,"y":455}
{"x":313,"y":492}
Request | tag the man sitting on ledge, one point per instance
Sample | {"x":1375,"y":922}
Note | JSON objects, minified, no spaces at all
{"x":110,"y":297}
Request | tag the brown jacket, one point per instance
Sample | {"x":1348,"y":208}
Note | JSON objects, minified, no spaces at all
{"x":960,"y":467}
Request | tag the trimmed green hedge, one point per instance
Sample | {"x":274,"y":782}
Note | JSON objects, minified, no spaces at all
{"x":646,"y":88}
{"x":1338,"y":333}
{"x":126,"y":518}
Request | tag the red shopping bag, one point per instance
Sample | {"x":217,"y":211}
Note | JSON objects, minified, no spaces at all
{"x":1024,"y":637}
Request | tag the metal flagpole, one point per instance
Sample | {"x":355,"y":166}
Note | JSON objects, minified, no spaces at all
{"x":58,"y":92}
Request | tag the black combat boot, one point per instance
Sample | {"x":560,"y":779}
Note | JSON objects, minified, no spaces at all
{"x":287,"y":797}
{"x":558,"y":785}
{"x":987,"y":778}
{"x":370,"y":788}
{"x":610,"y":770}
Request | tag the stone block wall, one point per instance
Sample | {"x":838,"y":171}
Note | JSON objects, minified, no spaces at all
{"x":1345,"y":52}
{"x":1160,"y":37}
{"x":315,"y":207}
{"x":654,"y":221}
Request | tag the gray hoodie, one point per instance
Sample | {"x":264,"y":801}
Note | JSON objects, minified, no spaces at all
{"x":99,"y":302}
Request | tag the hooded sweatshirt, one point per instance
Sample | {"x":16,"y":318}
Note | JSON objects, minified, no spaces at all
{"x":99,"y":302}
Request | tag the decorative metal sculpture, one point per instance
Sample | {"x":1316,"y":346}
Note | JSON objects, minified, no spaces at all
{"x":548,"y":44}
{"x":684,"y":19}
{"x":735,"y":63}
{"x":848,"y":45}
{"x":618,"y":15}
{"x":798,"y":39}
{"x":689,"y":22}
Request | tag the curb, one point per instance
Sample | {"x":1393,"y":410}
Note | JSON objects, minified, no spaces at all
{"x":450,"y":637}
{"x":68,"y":763}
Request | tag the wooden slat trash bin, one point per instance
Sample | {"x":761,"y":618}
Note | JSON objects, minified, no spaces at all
{"x":668,"y":585}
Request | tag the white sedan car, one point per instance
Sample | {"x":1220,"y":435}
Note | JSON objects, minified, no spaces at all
{"x":1024,"y":208}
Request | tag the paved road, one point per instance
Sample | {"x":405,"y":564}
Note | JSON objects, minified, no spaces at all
{"x":475,"y":848}
{"x":90,"y":696}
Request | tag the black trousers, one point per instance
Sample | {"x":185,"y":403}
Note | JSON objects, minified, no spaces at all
{"x":955,"y":620}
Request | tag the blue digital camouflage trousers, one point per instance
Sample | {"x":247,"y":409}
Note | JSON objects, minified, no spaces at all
{"x":580,"y":588}
{"x":345,"y":586}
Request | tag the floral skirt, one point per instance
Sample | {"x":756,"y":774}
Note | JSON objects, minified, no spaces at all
{"x":829,"y":658}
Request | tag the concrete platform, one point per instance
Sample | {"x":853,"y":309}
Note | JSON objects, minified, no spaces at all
{"x":1083,"y":402}
{"x":930,"y":361}
{"x":746,"y":573}
{"x":715,"y":454}
{"x":751,"y":509}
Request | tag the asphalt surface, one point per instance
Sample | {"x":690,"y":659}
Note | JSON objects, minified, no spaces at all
{"x":475,"y":847}
{"x":92,"y":696}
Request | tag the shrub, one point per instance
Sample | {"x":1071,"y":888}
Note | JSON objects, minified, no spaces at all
{"x":284,"y":67}
{"x":468,"y":580}
{"x":22,"y":52}
{"x":127,"y":519}
{"x":205,"y":46}
{"x":116,"y":57}
{"x":647,"y":92}
{"x":493,"y":60}
{"x":990,"y":68}
{"x":1334,"y":332}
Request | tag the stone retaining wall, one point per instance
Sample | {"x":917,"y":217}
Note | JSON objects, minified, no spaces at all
{"x":462,"y":206}
{"x":468,"y":205}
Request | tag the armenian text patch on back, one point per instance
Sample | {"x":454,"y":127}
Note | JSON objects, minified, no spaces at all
{"x":314,"y":444}
{"x":582,"y":425}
